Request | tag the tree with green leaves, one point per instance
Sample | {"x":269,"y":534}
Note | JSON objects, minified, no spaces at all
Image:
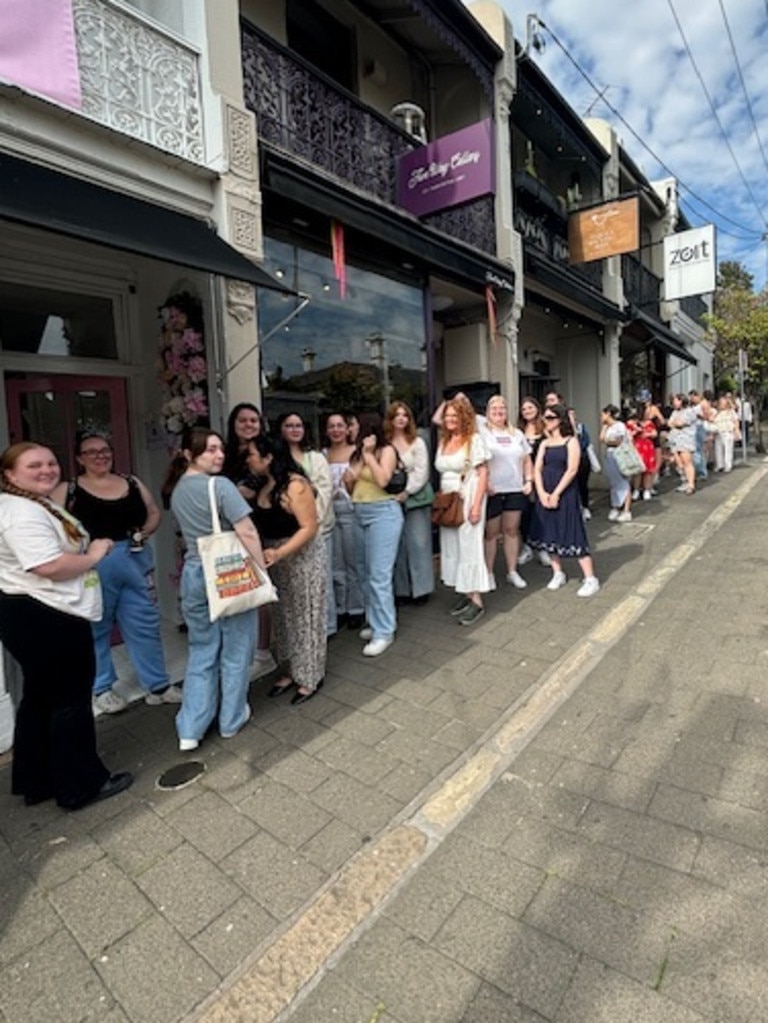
{"x":740,"y":321}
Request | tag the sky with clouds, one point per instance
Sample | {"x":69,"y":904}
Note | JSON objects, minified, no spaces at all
{"x":638,"y":52}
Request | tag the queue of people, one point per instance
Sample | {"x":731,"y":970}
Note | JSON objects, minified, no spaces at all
{"x":345,"y":531}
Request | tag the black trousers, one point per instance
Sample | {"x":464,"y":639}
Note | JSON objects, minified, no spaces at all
{"x":54,"y":749}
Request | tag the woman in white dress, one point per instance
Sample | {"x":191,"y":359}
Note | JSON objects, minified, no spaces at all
{"x":462,"y":461}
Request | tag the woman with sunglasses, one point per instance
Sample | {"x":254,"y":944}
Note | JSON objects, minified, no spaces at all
{"x":120,"y":508}
{"x":558,"y":525}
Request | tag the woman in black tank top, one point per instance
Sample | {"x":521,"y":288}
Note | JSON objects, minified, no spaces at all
{"x":121,"y":509}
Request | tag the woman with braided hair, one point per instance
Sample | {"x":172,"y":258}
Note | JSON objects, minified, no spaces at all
{"x":49,"y":595}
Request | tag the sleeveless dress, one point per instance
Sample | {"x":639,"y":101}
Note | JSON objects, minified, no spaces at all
{"x":559,"y":531}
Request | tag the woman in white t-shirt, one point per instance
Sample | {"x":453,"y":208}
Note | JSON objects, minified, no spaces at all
{"x":49,"y":595}
{"x":509,"y":486}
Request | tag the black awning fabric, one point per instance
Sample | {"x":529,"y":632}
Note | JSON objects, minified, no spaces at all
{"x":655,"y":334}
{"x":561,"y":279}
{"x":428,"y":246}
{"x":44,"y":198}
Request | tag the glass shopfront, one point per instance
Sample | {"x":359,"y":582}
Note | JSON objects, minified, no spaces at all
{"x":355,"y":353}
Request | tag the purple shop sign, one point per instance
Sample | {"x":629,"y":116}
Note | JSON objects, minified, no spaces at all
{"x":451,"y":170}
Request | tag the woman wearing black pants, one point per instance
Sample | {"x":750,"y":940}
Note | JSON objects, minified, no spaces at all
{"x":49,"y":594}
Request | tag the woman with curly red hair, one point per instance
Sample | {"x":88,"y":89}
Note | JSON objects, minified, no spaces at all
{"x":462,"y":461}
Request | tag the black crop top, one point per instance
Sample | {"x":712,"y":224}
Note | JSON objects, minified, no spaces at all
{"x":274,"y":523}
{"x":104,"y":519}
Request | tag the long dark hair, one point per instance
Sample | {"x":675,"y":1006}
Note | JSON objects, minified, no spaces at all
{"x":194,"y":439}
{"x":282,"y":467}
{"x":306,"y":441}
{"x":370,"y":423}
{"x":566,"y":426}
{"x":234,"y":460}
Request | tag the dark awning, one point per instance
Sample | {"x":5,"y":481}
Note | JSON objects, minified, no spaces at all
{"x":44,"y":198}
{"x":439,"y":253}
{"x":564,"y":281}
{"x":653,"y":333}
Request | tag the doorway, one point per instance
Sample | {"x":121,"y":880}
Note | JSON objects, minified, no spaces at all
{"x":52,"y":409}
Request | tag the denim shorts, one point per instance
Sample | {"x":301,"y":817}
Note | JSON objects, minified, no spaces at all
{"x":512,"y":502}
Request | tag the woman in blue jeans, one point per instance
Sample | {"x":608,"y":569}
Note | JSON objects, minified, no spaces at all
{"x":220,"y":652}
{"x":121,"y":509}
{"x":379,"y":519}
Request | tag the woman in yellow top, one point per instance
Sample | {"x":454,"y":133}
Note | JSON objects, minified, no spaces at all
{"x":379,"y":518}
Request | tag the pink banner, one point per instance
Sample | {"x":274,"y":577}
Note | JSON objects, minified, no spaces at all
{"x":37,"y":48}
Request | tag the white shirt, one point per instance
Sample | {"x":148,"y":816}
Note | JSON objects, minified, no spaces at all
{"x":508,"y":452}
{"x":31,"y":536}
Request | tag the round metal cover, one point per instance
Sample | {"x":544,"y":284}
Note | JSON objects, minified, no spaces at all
{"x":179,"y":775}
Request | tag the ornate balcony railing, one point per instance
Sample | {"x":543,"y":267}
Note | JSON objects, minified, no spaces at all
{"x":641,"y":287}
{"x":306,"y":114}
{"x":139,"y":80}
{"x":694,"y":306}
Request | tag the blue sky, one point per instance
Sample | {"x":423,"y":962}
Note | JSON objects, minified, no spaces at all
{"x":638,"y":52}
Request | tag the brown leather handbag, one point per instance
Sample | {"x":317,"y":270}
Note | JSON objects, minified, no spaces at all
{"x":448,"y":509}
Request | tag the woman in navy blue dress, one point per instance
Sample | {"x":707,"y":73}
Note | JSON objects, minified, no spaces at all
{"x":557,"y":526}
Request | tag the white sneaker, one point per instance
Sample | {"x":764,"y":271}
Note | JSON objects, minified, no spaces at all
{"x":377,"y":646}
{"x":558,"y":579}
{"x":108,"y":702}
{"x":635,"y":495}
{"x":589,"y":587}
{"x":263,"y":663}
{"x":544,"y":559}
{"x":517,"y":580}
{"x":647,"y":495}
{"x":586,"y":514}
{"x":172,"y":694}
{"x":525,"y":555}
{"x":366,"y":632}
{"x":624,"y":517}
{"x":613,"y":514}
{"x":186,"y":745}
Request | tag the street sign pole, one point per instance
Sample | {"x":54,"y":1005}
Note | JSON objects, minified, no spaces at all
{"x":743,"y":367}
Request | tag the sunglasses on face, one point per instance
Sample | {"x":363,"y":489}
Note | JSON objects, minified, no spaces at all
{"x":548,"y":416}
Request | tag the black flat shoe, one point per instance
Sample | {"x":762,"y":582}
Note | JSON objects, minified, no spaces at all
{"x":303,"y":697}
{"x":279,"y":690}
{"x":420,"y":601}
{"x":33,"y":799}
{"x":115,"y":784}
{"x":355,"y":621}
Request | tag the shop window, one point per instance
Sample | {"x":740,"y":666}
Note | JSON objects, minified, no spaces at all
{"x":351,"y":354}
{"x":39,"y":321}
{"x":322,"y":40}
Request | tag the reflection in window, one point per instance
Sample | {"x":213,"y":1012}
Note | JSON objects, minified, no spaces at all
{"x":41,"y":321}
{"x":355,"y":354}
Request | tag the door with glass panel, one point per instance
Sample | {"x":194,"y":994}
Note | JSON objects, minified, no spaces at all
{"x":52,"y":409}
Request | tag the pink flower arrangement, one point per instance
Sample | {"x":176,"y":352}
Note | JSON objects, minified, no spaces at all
{"x":182,"y":366}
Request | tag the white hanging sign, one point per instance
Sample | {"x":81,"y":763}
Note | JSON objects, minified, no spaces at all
{"x":689,"y":263}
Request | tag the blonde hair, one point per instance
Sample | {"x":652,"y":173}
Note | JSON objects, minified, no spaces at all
{"x":74,"y":531}
{"x":497,"y":399}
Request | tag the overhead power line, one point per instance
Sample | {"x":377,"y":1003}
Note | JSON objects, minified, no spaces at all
{"x":700,"y":199}
{"x":743,"y":83}
{"x":715,"y":114}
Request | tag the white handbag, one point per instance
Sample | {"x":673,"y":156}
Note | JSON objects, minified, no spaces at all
{"x":233,"y":581}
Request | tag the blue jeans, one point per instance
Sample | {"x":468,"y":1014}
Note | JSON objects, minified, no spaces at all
{"x":128,"y":601}
{"x":379,"y":524}
{"x":218,"y":662}
{"x":414,"y":569}
{"x":699,"y":461}
{"x":347,"y":588}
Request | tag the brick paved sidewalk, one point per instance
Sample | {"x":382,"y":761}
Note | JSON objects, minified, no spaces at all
{"x":141,"y":908}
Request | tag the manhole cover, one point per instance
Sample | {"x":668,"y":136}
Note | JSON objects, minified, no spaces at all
{"x":179,"y":775}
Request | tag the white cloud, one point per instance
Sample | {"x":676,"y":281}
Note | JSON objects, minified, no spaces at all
{"x":637,"y":51}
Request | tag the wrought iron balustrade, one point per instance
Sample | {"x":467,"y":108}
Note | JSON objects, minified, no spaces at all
{"x":303,"y":112}
{"x":139,"y":80}
{"x":549,"y":234}
{"x":641,"y":287}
